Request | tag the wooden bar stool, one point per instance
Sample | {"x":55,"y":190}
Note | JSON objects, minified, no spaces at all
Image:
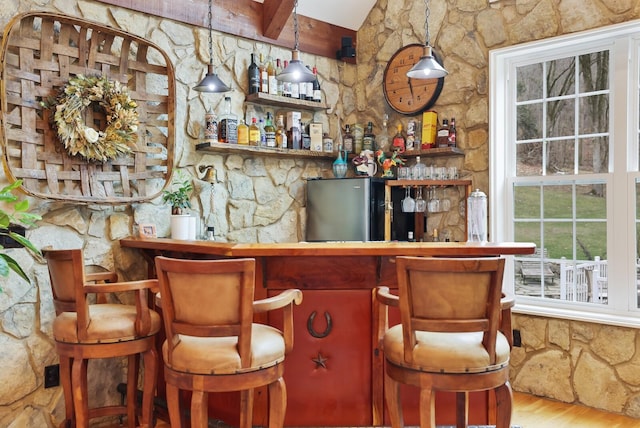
{"x":84,"y":331}
{"x":449,"y":337}
{"x":212,"y":343}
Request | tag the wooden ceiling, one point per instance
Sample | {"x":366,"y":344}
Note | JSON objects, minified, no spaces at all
{"x":269,"y":22}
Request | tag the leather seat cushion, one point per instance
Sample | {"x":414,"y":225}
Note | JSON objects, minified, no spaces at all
{"x":219,"y":355}
{"x":446,"y":352}
{"x":110,"y":323}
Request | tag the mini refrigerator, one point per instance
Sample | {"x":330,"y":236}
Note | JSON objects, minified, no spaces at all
{"x":345,"y":209}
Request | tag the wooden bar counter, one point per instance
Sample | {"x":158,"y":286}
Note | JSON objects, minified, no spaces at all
{"x":334,"y":374}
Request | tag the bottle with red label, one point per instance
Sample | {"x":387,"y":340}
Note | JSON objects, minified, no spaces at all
{"x":452,"y":132}
{"x":399,"y":143}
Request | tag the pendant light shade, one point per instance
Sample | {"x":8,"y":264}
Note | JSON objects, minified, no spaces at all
{"x":211,"y":82}
{"x":428,"y":67}
{"x":296,"y":72}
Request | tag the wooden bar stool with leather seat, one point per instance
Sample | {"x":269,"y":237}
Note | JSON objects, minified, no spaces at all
{"x":212,"y":343}
{"x":86,"y":329}
{"x":448,"y":338}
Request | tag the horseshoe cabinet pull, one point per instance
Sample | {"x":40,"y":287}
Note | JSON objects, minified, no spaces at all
{"x":326,"y":331}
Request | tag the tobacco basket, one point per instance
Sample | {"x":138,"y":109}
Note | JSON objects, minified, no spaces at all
{"x":40,"y":52}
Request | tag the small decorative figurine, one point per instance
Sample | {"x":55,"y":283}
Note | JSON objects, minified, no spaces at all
{"x":388,"y":163}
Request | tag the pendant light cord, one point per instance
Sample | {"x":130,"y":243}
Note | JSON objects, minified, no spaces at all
{"x":426,"y":23}
{"x":295,"y":24}
{"x":210,"y":33}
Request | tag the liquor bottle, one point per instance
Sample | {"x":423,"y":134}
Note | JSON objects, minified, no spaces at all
{"x":228,"y":126}
{"x":442,"y":140}
{"x":271,"y":72}
{"x":254,"y":133}
{"x":279,"y":83}
{"x":264,"y":76}
{"x":369,"y":139}
{"x":254,"y":76}
{"x":302,"y":90}
{"x":263,"y":133}
{"x":347,"y":139}
{"x":317,"y":94}
{"x":286,"y":86}
{"x":306,"y":138}
{"x":211,"y":127}
{"x":243,"y":133}
{"x":281,"y":133}
{"x":294,"y":137}
{"x":452,"y":133}
{"x":399,"y":142}
{"x":270,"y":131}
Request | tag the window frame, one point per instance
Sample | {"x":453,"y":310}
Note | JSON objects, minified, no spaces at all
{"x":623,"y":41}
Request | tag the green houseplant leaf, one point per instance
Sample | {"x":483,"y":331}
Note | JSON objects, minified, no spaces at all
{"x":179,"y":192}
{"x":16,"y":215}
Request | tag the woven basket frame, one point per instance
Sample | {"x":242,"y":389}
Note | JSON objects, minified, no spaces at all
{"x":40,"y":52}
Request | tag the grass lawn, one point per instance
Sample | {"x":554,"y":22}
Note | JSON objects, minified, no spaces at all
{"x":560,"y":230}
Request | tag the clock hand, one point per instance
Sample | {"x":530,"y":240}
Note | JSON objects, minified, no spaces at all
{"x":411,"y":86}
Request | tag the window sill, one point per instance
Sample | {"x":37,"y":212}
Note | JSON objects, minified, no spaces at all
{"x":574,"y":314}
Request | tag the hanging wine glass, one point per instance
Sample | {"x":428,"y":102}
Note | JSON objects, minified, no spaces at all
{"x":408,"y":203}
{"x":421,"y":204}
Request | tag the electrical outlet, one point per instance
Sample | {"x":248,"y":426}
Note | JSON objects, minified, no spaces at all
{"x":517,"y":339}
{"x":52,"y":376}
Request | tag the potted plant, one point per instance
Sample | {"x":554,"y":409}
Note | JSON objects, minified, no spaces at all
{"x":177,"y":195}
{"x":9,"y":223}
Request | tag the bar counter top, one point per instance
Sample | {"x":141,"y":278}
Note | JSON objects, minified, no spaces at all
{"x":346,"y":248}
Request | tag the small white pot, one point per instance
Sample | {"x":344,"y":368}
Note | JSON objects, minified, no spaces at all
{"x":180,"y":226}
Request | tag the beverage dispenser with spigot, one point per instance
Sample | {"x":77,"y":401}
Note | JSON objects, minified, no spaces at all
{"x":477,"y":217}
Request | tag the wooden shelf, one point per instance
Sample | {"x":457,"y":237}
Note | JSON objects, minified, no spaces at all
{"x":264,"y":151}
{"x":443,"y":151}
{"x":417,"y":183}
{"x":280,"y":101}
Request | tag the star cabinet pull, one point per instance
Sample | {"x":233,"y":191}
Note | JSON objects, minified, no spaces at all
{"x":326,"y":331}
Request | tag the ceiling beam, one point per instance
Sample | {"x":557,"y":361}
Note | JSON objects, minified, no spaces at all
{"x":275,"y":14}
{"x":249,"y":19}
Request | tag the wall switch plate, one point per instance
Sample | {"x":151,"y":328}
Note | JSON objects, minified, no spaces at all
{"x":52,"y":376}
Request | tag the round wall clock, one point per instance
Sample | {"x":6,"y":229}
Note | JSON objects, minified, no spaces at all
{"x":405,"y":95}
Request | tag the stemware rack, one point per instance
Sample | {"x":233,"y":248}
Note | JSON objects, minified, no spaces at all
{"x":419,"y":216}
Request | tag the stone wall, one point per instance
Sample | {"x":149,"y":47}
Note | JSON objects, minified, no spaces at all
{"x":256,"y":199}
{"x":576,"y":362}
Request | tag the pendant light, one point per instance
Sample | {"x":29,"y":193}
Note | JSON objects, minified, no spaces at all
{"x":428,"y":67}
{"x":296,"y":72}
{"x":211,"y":82}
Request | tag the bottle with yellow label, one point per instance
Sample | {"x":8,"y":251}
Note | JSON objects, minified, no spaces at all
{"x":243,"y":133}
{"x":254,"y":133}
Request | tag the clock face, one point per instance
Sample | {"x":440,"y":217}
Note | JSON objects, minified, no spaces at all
{"x":405,"y":95}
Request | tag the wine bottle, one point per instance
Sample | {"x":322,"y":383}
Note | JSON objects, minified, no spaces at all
{"x":442,"y":139}
{"x":264,"y":76}
{"x":317,"y":94}
{"x":254,"y":76}
{"x":279,"y":83}
{"x":271,"y":72}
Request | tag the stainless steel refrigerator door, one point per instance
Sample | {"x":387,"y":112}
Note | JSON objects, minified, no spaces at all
{"x":338,"y":209}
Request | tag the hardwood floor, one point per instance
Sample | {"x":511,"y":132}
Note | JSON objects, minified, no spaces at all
{"x":535,"y":412}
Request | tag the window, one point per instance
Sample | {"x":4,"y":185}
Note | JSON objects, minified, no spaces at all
{"x":564,"y":172}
